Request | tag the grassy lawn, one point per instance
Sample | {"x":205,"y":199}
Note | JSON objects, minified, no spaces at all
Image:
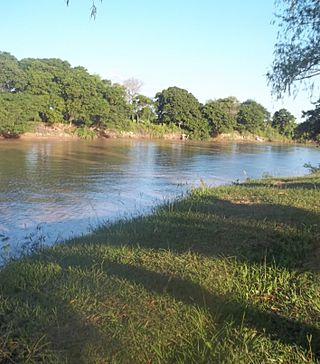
{"x":225,"y":275}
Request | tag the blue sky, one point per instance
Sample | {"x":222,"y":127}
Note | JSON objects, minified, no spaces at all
{"x":212,"y":48}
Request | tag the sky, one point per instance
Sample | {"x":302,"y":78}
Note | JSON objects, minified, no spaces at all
{"x":212,"y":48}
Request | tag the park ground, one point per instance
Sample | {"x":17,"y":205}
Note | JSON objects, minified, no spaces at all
{"x":223,"y":275}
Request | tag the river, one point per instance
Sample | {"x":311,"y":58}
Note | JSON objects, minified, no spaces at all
{"x":52,"y":190}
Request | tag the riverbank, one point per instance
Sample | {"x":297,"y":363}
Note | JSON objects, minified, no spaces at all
{"x":225,"y":275}
{"x":134,"y":130}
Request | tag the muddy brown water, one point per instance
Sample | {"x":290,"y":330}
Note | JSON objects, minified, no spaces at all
{"x":51,"y":190}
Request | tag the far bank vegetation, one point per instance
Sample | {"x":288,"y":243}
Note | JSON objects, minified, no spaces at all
{"x":50,"y":92}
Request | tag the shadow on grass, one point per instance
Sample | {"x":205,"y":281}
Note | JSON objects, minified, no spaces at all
{"x":221,"y":308}
{"x":214,"y":227}
{"x":38,"y":325}
{"x":206,"y":225}
{"x":286,"y":185}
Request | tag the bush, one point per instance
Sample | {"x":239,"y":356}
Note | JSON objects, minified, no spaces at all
{"x":84,"y":132}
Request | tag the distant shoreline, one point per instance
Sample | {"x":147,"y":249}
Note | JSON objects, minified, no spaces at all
{"x":66,"y":132}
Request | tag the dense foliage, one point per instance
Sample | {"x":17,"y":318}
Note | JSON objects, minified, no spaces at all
{"x":178,"y":106}
{"x":18,"y":113}
{"x":310,"y":129}
{"x":252,"y":117}
{"x":284,"y":122}
{"x":221,"y":114}
{"x":51,"y":91}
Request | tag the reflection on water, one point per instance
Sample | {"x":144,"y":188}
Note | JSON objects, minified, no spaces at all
{"x":66,"y":187}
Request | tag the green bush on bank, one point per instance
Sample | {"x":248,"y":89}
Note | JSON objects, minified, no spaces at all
{"x":84,"y":132}
{"x":144,"y":128}
{"x":18,"y":114}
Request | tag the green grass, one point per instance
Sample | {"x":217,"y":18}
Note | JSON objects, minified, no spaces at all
{"x":225,"y":275}
{"x":84,"y":132}
{"x":145,"y":129}
{"x":270,"y":134}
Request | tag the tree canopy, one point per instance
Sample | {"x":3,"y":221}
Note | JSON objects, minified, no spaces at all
{"x":178,"y":106}
{"x":297,"y":58}
{"x":221,"y":114}
{"x":252,"y":117}
{"x":50,"y":91}
{"x":297,"y":51}
{"x":310,"y":128}
{"x":59,"y":92}
{"x":284,"y":122}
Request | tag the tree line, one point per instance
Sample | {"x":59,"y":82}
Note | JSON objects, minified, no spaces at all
{"x":52,"y":91}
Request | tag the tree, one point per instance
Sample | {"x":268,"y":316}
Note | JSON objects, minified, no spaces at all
{"x":297,"y":52}
{"x":115,"y":95}
{"x":57,"y":93}
{"x":12,"y":78}
{"x":44,"y":75}
{"x":18,"y":113}
{"x":177,"y":106}
{"x":284,"y":122}
{"x":51,"y":109}
{"x":252,"y":117}
{"x":310,"y":129}
{"x":132,"y":86}
{"x":143,"y":108}
{"x":221,"y":114}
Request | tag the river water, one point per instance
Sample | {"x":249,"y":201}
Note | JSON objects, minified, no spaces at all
{"x":52,"y":190}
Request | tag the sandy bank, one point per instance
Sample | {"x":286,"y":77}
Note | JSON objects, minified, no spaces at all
{"x":65,"y":132}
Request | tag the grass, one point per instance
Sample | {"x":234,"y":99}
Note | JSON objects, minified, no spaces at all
{"x":145,"y":129}
{"x":269,"y":133}
{"x":84,"y":132}
{"x":224,"y":275}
